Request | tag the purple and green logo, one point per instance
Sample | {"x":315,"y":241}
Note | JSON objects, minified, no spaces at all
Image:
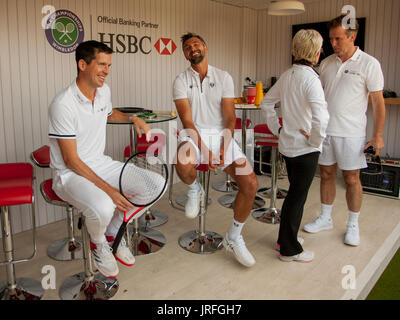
{"x":64,"y":31}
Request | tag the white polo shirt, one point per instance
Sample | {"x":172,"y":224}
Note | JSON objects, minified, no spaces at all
{"x":303,"y":107}
{"x":73,"y":116}
{"x":205,"y":98}
{"x":346,"y":87}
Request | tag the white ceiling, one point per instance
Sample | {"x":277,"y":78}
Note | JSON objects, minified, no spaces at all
{"x":254,"y":4}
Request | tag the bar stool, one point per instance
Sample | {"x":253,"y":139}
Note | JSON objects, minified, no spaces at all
{"x":16,"y":188}
{"x":198,"y":241}
{"x":264,"y":130}
{"x":228,"y":185}
{"x":88,"y":285}
{"x":142,"y":239}
{"x":64,"y":249}
{"x":271,"y":214}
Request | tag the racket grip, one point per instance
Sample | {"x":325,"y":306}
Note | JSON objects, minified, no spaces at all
{"x":119,"y":236}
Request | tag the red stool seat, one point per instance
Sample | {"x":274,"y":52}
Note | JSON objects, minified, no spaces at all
{"x":41,"y":156}
{"x":47,"y":187}
{"x":268,"y":142}
{"x":238,"y":124}
{"x":202,"y":167}
{"x":16,"y":180}
{"x":263,"y":128}
{"x":157,"y":142}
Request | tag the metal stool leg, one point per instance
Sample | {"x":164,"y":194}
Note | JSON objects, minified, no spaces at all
{"x":144,"y":240}
{"x":225,"y":186}
{"x":267,"y":192}
{"x":67,"y":248}
{"x":21,"y":288}
{"x":87,"y":285}
{"x":271,"y":214}
{"x":201,"y":241}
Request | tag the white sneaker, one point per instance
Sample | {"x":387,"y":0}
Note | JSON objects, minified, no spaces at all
{"x":305,"y":256}
{"x":123,"y":254}
{"x":238,"y":247}
{"x":278,"y":246}
{"x":352,"y":237}
{"x":318,"y":225}
{"x":104,"y":260}
{"x":192,"y":206}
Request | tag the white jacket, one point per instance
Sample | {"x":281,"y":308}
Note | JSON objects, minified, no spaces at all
{"x":303,"y":106}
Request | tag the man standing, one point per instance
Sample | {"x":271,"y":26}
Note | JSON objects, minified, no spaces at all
{"x":348,"y":77}
{"x":82,"y":175}
{"x":203,"y":97}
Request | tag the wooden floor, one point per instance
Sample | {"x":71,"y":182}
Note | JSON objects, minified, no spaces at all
{"x":173,"y":273}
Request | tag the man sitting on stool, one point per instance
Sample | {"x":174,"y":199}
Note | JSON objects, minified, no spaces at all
{"x":203,"y":97}
{"x":82,"y":174}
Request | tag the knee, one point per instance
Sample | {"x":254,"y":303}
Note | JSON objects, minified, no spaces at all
{"x":249,"y":185}
{"x":351,"y":179}
{"x":328,"y":174}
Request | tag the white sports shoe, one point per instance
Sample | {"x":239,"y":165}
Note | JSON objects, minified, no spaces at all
{"x":305,"y":256}
{"x":123,"y":254}
{"x":104,"y":260}
{"x":238,"y":247}
{"x":318,"y":225}
{"x":192,"y":206}
{"x":278,"y":246}
{"x":352,"y":236}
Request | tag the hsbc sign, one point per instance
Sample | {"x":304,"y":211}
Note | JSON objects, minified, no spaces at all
{"x":131,"y":44}
{"x":165,"y":46}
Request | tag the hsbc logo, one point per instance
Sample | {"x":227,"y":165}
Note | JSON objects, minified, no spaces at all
{"x":165,"y":46}
{"x":127,"y":43}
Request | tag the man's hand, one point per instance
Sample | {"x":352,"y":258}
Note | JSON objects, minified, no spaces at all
{"x":122,"y":204}
{"x":221,"y":156}
{"x":140,"y":124}
{"x":213,"y":161}
{"x":377,"y":143}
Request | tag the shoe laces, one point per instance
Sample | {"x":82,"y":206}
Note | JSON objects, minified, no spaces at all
{"x":105,"y":250}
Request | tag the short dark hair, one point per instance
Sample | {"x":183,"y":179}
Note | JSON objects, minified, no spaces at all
{"x":189,"y":35}
{"x":338,"y":22}
{"x":87,"y":51}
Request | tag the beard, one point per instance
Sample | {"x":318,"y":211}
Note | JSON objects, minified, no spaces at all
{"x":197,"y":60}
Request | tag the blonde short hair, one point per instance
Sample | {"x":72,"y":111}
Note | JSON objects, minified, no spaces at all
{"x":306,"y":45}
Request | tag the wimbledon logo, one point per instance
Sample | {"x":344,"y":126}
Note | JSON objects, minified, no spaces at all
{"x":64,"y":31}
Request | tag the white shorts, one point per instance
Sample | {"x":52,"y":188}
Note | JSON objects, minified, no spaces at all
{"x":213,"y":143}
{"x":348,"y":153}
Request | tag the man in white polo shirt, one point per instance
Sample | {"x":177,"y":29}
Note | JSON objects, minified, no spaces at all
{"x":348,"y":77}
{"x":82,"y":175}
{"x":203,"y":97}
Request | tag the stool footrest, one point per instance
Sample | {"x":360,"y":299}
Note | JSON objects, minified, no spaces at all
{"x":194,"y":242}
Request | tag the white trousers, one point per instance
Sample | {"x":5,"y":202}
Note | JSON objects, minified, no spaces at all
{"x":98,"y":208}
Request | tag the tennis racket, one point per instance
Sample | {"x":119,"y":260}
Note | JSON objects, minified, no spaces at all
{"x":142,"y":181}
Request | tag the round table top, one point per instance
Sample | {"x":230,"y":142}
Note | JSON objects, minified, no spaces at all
{"x":149,"y":117}
{"x":247,"y":107}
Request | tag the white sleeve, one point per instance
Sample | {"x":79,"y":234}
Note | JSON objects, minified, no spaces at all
{"x":319,"y":109}
{"x":272,"y":97}
{"x":228,"y":90}
{"x":375,"y":81}
{"x":179,"y":89}
{"x":61,"y":122}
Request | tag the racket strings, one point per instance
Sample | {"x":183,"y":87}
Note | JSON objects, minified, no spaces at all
{"x":144,"y":180}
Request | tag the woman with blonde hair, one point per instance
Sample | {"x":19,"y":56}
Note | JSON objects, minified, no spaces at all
{"x":305,"y":118}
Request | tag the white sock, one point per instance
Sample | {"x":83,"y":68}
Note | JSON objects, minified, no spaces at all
{"x":326,"y":210}
{"x":115,"y":224}
{"x":353,"y":217}
{"x":235,"y":230}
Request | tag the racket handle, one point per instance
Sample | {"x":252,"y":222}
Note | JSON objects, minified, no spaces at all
{"x":119,"y":236}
